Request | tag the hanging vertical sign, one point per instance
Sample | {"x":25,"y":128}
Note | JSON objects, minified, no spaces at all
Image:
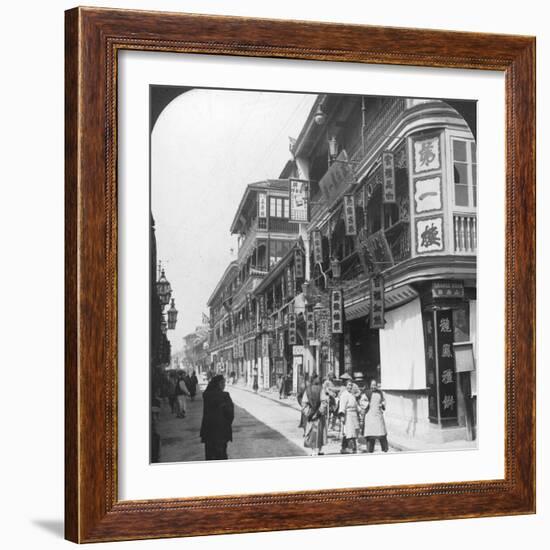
{"x":265,"y":345}
{"x":324,"y":325}
{"x":388,"y":177}
{"x":349,"y":215}
{"x":377,"y":302}
{"x":336,"y":311}
{"x":281,"y":343}
{"x":446,"y":364}
{"x":310,"y":326}
{"x":298,"y":264}
{"x":291,"y":329}
{"x":317,"y":247}
{"x":299,"y":200}
{"x":262,"y":205}
{"x":289,"y":283}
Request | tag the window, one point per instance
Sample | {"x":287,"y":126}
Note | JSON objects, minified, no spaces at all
{"x":279,"y":207}
{"x":461,"y":323}
{"x":465,"y":172}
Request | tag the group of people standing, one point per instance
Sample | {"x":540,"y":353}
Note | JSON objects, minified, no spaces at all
{"x":359,"y":412}
{"x":180,"y":387}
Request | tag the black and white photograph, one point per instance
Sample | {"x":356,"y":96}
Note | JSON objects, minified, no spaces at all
{"x":313,"y":274}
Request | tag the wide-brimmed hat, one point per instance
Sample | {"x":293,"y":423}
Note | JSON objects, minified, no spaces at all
{"x":358,"y":375}
{"x":346,"y":376}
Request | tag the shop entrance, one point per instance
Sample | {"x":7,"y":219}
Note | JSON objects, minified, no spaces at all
{"x":365,"y":349}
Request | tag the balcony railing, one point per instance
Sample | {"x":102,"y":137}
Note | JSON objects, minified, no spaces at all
{"x":465,"y":233}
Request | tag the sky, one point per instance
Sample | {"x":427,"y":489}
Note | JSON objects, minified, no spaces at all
{"x":206,"y":147}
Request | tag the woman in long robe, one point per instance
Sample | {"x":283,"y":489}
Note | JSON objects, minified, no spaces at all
{"x":315,"y":409}
{"x":348,"y":411}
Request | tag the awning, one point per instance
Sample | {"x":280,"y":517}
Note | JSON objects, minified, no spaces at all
{"x":357,"y":310}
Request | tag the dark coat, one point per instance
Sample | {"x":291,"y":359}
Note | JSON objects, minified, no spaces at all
{"x":217,"y":416}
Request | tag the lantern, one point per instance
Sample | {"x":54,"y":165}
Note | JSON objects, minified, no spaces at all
{"x":164,"y":290}
{"x":172,"y":316}
{"x":332,"y":147}
{"x":319,"y":117}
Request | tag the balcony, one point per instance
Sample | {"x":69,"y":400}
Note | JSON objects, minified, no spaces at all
{"x":465,"y":233}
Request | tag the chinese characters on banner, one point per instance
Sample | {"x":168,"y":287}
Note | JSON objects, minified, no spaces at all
{"x":429,"y":235}
{"x":299,"y":200}
{"x":324,"y":325}
{"x":426,"y":155}
{"x":262,"y":205}
{"x":298,"y":264}
{"x":377,"y":302}
{"x":349,"y":215}
{"x":431,"y":374}
{"x":310,"y":326}
{"x":281,"y":343}
{"x":265,"y":345}
{"x":291,"y":329}
{"x":337,"y":311}
{"x":261,"y":311}
{"x":388,"y":177}
{"x":289,"y":283}
{"x":446,"y":364}
{"x":249,"y":305}
{"x":317,"y":247}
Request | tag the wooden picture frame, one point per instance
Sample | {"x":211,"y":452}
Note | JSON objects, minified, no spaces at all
{"x":93,"y":511}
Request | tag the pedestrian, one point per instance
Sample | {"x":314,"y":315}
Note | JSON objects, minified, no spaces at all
{"x":374,"y":404}
{"x":348,"y":410}
{"x":181,"y":392}
{"x":255,"y":380}
{"x":192,"y":385}
{"x":315,"y":409}
{"x":282,"y":387}
{"x":172,"y":396}
{"x":217,"y":418}
{"x":302,"y":386}
{"x":330,"y":389}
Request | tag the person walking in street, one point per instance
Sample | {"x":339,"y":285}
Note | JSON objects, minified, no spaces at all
{"x":255,"y":381}
{"x":217,"y":419}
{"x":192,"y":385}
{"x":348,"y":410}
{"x":181,"y":393}
{"x":374,"y":404}
{"x":282,"y":387}
{"x":315,"y":409}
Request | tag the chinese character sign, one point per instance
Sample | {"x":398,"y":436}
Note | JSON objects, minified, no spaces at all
{"x":289,"y":282}
{"x":337,"y":311}
{"x":292,"y":329}
{"x":426,"y":155}
{"x":349,"y":215}
{"x":317,"y":247}
{"x":427,"y":194}
{"x":310,"y":326}
{"x":299,"y":200}
{"x":446,"y":363}
{"x":298,"y":264}
{"x":377,"y":302}
{"x":262,"y":205}
{"x":324,"y":325}
{"x":388,"y":177}
{"x":429,"y":235}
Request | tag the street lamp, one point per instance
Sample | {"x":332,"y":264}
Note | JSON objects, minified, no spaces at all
{"x":172,"y":316}
{"x":332,"y":148}
{"x":319,"y":117}
{"x":164,"y":290}
{"x":336,"y":268}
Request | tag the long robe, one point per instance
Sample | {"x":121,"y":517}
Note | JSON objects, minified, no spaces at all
{"x":316,"y":432}
{"x":374,"y":418}
{"x":348,"y":406}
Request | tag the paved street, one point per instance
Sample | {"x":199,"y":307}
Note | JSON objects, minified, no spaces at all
{"x":264,"y":427}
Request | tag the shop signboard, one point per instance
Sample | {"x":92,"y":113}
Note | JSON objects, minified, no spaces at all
{"x":310,"y":325}
{"x":388,"y":178}
{"x":431,"y":367}
{"x":336,"y":311}
{"x":291,"y":329}
{"x":340,"y":173}
{"x":299,"y":200}
{"x":446,"y":365}
{"x":349,"y":215}
{"x":324,"y":324}
{"x":377,"y":320}
{"x":317,"y":247}
{"x":289,"y":283}
{"x":298,"y":264}
{"x":262,"y":205}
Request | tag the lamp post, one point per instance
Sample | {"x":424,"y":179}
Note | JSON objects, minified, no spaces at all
{"x":164,"y":289}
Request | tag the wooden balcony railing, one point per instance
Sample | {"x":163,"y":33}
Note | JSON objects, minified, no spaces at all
{"x":465,"y":233}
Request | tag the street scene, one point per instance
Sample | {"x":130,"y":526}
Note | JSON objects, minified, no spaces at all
{"x":313,"y":274}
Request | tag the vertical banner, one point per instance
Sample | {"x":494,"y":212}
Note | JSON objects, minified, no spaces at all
{"x":377,"y":302}
{"x":299,"y":200}
{"x":262,"y":205}
{"x":446,"y":365}
{"x":249,"y":305}
{"x":349,"y":215}
{"x":289,"y":283}
{"x":336,"y":311}
{"x":310,"y":326}
{"x":431,"y":369}
{"x":388,"y":177}
{"x":291,"y":329}
{"x":324,"y":325}
{"x":317,"y":247}
{"x":281,"y":343}
{"x":298,"y":264}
